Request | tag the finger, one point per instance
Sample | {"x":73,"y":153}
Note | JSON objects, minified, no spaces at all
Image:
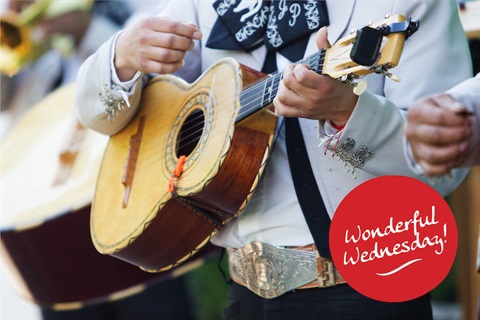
{"x":152,"y":66}
{"x":171,"y":41}
{"x":438,"y":135}
{"x":164,"y":55}
{"x":429,"y":112}
{"x":440,"y":155}
{"x":175,"y":27}
{"x":322,"y":38}
{"x":300,"y":79}
{"x":288,"y":86}
{"x":451,"y":104}
{"x":305,"y":78}
{"x":159,"y":32}
{"x":285,"y":101}
{"x":434,"y":169}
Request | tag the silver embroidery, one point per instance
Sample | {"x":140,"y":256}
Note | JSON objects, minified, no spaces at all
{"x":352,"y":159}
{"x":273,"y":35}
{"x":224,"y":6}
{"x":434,"y":180}
{"x":270,"y":271}
{"x":252,"y":26}
{"x":313,"y":18}
{"x":252,"y":5}
{"x":111,"y":104}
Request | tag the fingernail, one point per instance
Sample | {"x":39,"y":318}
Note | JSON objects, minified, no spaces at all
{"x":456,"y":105}
{"x":458,"y":108}
{"x":463,"y":146}
{"x":197,"y":35}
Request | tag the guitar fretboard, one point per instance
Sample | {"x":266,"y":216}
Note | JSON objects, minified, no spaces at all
{"x":262,"y":93}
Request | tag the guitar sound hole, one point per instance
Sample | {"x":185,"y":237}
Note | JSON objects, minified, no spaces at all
{"x":190,"y":133}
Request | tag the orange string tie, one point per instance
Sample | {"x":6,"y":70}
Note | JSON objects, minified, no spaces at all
{"x":176,"y":173}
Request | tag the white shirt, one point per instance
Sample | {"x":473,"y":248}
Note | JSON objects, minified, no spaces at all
{"x":273,"y":215}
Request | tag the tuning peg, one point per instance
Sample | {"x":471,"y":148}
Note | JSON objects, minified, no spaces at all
{"x":359,"y":87}
{"x":393,"y":77}
{"x":383,"y":70}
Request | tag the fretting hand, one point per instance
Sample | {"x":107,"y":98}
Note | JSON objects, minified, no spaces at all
{"x":305,"y":94}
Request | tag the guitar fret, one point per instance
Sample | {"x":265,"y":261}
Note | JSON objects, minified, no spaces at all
{"x":264,"y":92}
{"x":251,"y":100}
{"x":269,"y":90}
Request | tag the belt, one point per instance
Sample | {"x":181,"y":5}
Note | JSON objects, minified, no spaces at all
{"x":271,"y":271}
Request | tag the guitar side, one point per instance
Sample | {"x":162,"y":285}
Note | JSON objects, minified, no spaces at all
{"x":134,"y":216}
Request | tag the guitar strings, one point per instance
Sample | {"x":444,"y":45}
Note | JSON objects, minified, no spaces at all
{"x":225,"y":115}
{"x":222,"y":116}
{"x":246,"y":104}
{"x":253,"y":85}
{"x":244,"y":108}
{"x":251,"y":101}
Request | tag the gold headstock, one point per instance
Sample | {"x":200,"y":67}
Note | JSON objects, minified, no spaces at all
{"x":389,"y":36}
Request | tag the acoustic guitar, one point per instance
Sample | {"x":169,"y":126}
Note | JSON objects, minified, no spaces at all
{"x":192,"y":156}
{"x":49,"y":168}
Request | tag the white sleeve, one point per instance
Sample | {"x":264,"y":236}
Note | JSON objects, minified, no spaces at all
{"x":377,"y":123}
{"x":97,"y":93}
{"x":104,"y":103}
{"x":468,"y":94}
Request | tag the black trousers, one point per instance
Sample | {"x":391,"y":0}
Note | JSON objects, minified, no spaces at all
{"x":340,"y":302}
{"x":167,"y":300}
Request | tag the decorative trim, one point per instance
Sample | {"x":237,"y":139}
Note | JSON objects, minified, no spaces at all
{"x":112,"y":105}
{"x":352,"y":159}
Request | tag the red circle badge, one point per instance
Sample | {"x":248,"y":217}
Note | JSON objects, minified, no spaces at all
{"x":393,"y":238}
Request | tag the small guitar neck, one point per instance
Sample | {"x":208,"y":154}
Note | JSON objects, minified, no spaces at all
{"x":262,"y":93}
{"x":374,"y":48}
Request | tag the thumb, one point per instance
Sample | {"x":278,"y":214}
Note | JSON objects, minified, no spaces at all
{"x":448,"y":102}
{"x":322,"y":38}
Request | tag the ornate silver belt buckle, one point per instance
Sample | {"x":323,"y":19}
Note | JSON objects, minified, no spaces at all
{"x":269,"y":271}
{"x":327,"y":275}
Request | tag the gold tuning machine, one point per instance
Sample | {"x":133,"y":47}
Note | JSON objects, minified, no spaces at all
{"x":359,"y":87}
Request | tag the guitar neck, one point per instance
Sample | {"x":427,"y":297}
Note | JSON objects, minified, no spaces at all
{"x":262,"y":93}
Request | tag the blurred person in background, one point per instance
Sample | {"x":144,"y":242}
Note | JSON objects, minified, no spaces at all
{"x":74,"y":33}
{"x":443,"y":132}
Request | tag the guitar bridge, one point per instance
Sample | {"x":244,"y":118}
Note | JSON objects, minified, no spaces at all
{"x":132,"y":158}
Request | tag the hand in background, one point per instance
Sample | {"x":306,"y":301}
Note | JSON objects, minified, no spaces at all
{"x":438,"y":130}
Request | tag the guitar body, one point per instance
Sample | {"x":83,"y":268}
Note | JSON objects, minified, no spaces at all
{"x":49,"y":169}
{"x":135,"y":217}
{"x":192,"y":156}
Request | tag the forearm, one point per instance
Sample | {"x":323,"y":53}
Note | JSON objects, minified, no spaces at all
{"x":100,"y":96}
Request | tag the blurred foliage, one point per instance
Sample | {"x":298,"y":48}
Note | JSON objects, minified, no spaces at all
{"x":208,"y":290}
{"x":446,"y":290}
